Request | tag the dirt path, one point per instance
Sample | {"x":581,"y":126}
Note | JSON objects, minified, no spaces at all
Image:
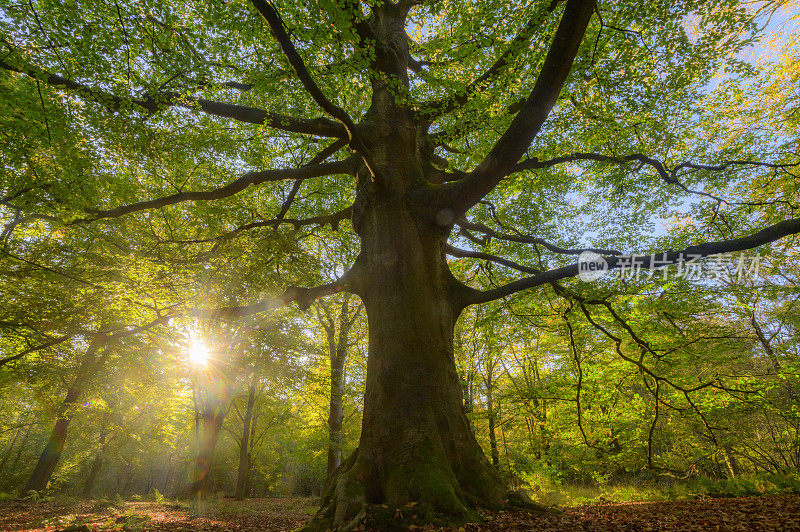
{"x":751,"y":513}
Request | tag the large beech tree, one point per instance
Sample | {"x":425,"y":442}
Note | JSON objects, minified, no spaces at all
{"x":188,"y":126}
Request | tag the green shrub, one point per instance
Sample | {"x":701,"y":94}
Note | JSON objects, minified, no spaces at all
{"x":547,"y":491}
{"x":747,"y":485}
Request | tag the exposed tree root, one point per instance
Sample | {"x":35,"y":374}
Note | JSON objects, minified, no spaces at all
{"x":432,"y":496}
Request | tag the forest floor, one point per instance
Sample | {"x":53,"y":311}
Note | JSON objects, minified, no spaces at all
{"x":779,"y":512}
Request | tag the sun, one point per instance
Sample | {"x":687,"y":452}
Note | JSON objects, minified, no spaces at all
{"x":198,"y":352}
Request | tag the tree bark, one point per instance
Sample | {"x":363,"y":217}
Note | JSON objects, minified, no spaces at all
{"x":201,"y":483}
{"x":97,"y":463}
{"x":43,"y":472}
{"x":214,"y":408}
{"x":731,"y":462}
{"x":416,"y":442}
{"x":46,"y":465}
{"x":336,"y":414}
{"x":244,"y":446}
{"x":338,"y":355}
{"x":10,"y":449}
{"x":491,"y":414}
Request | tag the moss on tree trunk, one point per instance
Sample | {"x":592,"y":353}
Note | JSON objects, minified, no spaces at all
{"x":417,"y":446}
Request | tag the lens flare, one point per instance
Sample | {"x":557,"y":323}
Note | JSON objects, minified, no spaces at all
{"x":198,"y":352}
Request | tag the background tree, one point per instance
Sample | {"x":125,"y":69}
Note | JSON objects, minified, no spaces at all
{"x":337,"y":327}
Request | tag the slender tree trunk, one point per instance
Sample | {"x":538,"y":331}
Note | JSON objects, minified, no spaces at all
{"x":10,"y":449}
{"x":244,"y":446}
{"x":765,"y":343}
{"x":21,"y":448}
{"x":731,"y":462}
{"x":168,"y":475}
{"x":214,"y":409}
{"x":209,"y":435}
{"x":491,"y":414}
{"x":43,"y":471}
{"x":127,"y":483}
{"x":97,"y":463}
{"x":338,"y":356}
{"x":151,"y":479}
{"x":466,"y":387}
{"x":336,"y":415}
{"x":251,"y":450}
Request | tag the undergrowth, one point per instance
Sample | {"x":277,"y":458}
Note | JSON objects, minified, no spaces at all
{"x":549,"y":492}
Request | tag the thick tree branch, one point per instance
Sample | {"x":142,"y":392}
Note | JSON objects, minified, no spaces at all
{"x":304,"y":297}
{"x":669,"y":176}
{"x":347,"y":166}
{"x":276,"y":25}
{"x":765,"y":236}
{"x":333,"y":219}
{"x":416,"y":65}
{"x":511,"y":146}
{"x":408,"y":4}
{"x":151,"y":103}
{"x":357,"y":21}
{"x":116,"y":334}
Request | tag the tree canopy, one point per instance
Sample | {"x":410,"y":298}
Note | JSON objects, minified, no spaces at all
{"x":175,"y":167}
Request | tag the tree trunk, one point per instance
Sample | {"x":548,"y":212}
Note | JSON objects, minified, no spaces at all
{"x":338,"y":356}
{"x":49,"y":458}
{"x":10,"y":449}
{"x":491,"y":415}
{"x":51,"y":454}
{"x":416,"y":442}
{"x":213,"y":398}
{"x":251,"y":451}
{"x":97,"y":463}
{"x":210,"y":428}
{"x":336,"y":415}
{"x":165,"y":486}
{"x":731,"y":462}
{"x":244,"y":446}
{"x":21,"y":448}
{"x":466,"y":386}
